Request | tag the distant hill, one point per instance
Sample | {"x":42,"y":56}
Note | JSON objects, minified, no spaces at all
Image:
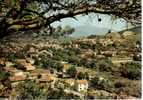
{"x":86,"y":30}
{"x":134,"y":29}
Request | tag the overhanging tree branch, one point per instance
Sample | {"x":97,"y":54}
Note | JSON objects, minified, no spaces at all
{"x":47,"y":21}
{"x":130,"y":11}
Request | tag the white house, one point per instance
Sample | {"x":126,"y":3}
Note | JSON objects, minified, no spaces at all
{"x":81,"y":85}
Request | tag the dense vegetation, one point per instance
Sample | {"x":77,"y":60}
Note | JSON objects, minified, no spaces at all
{"x":87,"y":59}
{"x":22,"y":15}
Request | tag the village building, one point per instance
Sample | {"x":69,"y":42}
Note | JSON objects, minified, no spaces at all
{"x":16,"y":75}
{"x":87,"y":53}
{"x":42,"y":76}
{"x":105,"y":42}
{"x":2,"y":61}
{"x":45,"y":78}
{"x":30,"y":60}
{"x":113,"y":35}
{"x":91,"y":41}
{"x":10,"y":69}
{"x":81,"y":85}
{"x":121,"y":60}
{"x":17,"y":78}
{"x":78,"y":85}
{"x":127,"y":33}
{"x":15,"y":72}
{"x":70,"y":82}
{"x":7,"y":63}
{"x":109,"y":53}
{"x":37,"y":73}
{"x":23,"y":64}
{"x":32,"y":51}
{"x":100,"y":56}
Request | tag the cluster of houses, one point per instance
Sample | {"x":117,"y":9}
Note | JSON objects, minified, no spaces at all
{"x":113,"y":45}
{"x":27,"y":71}
{"x":76,"y":84}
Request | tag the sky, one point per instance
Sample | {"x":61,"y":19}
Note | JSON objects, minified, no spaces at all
{"x":91,"y":20}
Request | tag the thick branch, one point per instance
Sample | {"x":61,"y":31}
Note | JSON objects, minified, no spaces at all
{"x":57,"y":17}
{"x":40,"y":21}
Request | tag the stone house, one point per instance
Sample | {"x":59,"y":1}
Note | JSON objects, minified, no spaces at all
{"x":43,"y":76}
{"x":10,"y":69}
{"x":17,"y":76}
{"x":105,"y":42}
{"x":2,"y":61}
{"x":7,"y":63}
{"x":113,"y":35}
{"x":70,"y":82}
{"x":38,"y":73}
{"x":109,"y":53}
{"x":87,"y":53}
{"x":127,"y":33}
{"x":23,"y":64}
{"x":33,"y":51}
{"x":121,"y":60}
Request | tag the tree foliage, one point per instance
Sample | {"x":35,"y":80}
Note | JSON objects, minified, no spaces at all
{"x":22,"y":15}
{"x":131,"y":71}
{"x":72,"y":71}
{"x":29,"y":90}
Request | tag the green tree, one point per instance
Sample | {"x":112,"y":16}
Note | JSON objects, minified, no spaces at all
{"x":131,"y":71}
{"x":29,"y":90}
{"x":102,"y":84}
{"x":82,"y":75}
{"x":68,"y":30}
{"x":60,"y":95}
{"x":104,"y":65}
{"x":3,"y":74}
{"x":72,"y":71}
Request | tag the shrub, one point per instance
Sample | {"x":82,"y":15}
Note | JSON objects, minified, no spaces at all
{"x":92,"y":64}
{"x":104,"y":65}
{"x":137,"y":57}
{"x":131,"y":71}
{"x":102,"y":84}
{"x":29,"y":90}
{"x":11,"y":57}
{"x":4,"y":75}
{"x":61,"y":95}
{"x":82,"y":75}
{"x":119,"y":84}
{"x":72,"y":71}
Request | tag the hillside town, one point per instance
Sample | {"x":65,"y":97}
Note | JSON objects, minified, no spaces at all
{"x":95,"y":67}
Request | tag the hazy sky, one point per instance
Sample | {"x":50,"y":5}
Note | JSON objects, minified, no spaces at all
{"x":92,"y":20}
